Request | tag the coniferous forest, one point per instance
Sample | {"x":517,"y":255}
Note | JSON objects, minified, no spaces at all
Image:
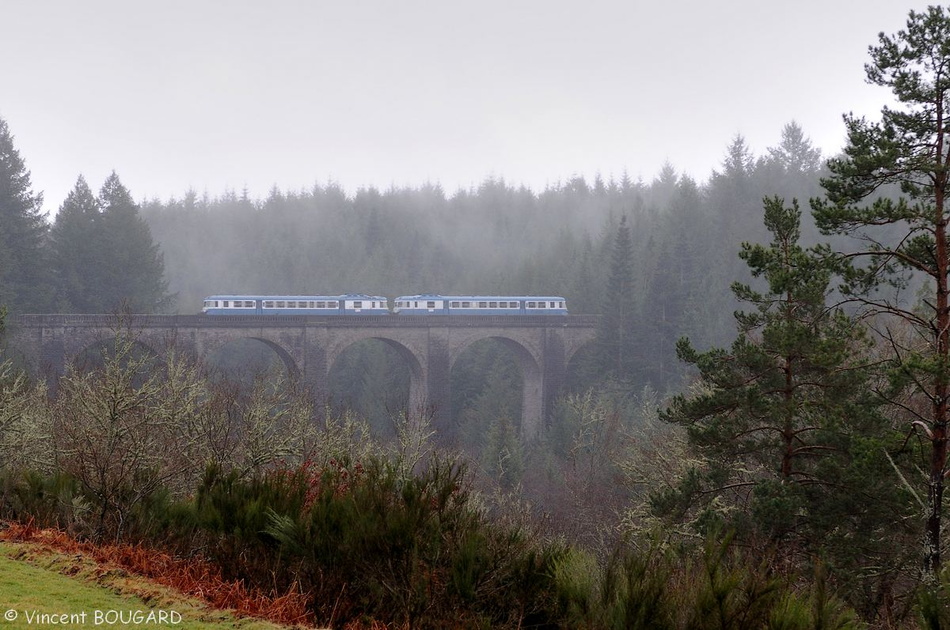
{"x":757,"y":437}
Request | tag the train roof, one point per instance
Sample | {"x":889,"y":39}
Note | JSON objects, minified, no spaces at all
{"x":429,"y":296}
{"x":345,"y":296}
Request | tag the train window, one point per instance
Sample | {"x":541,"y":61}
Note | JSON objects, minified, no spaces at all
{"x":430,"y":304}
{"x":268,"y":304}
{"x":248,"y":304}
{"x":333,"y":304}
{"x":513,"y":304}
{"x":466,"y":305}
{"x":483,"y":305}
{"x":532,"y":304}
{"x":357,"y":304}
{"x":493,"y":305}
{"x":560,"y":304}
{"x":281,"y":304}
{"x":454,"y":304}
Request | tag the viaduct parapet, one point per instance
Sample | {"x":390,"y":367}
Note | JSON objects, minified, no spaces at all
{"x":309,"y":346}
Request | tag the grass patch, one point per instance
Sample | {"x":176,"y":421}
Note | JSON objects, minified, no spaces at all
{"x":35,"y":580}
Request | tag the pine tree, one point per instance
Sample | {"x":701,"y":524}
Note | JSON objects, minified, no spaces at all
{"x":904,"y":238}
{"x":24,"y":283}
{"x":777,"y":416}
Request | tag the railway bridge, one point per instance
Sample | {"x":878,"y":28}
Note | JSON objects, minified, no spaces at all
{"x":309,"y":346}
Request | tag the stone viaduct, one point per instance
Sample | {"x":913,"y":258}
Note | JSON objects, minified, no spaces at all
{"x":309,"y":346}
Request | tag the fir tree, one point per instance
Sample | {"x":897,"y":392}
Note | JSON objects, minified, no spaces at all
{"x":134,"y":276}
{"x":24,"y":283}
{"x":103,"y":255}
{"x":615,"y":346}
{"x":78,"y":260}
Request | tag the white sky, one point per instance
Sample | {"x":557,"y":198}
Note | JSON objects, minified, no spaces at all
{"x":228,"y":94}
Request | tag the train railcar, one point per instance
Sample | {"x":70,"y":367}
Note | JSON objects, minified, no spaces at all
{"x":479,"y":305}
{"x":348,"y":304}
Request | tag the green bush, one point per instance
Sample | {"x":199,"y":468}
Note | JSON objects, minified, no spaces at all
{"x":372,"y":542}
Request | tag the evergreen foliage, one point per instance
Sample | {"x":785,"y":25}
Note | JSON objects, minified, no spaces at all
{"x":104,"y":258}
{"x":616,"y":352}
{"x":78,"y":256}
{"x":901,"y":240}
{"x":785,"y":418}
{"x":25,"y":285}
{"x":134,"y":274}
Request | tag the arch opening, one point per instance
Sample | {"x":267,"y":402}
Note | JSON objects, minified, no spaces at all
{"x":130,"y":353}
{"x":249,"y":358}
{"x":490,"y":384}
{"x":375,"y":378}
{"x":581,"y":372}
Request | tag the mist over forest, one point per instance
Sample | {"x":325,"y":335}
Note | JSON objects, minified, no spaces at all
{"x":498,"y":239}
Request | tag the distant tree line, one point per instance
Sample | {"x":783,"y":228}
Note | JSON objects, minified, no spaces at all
{"x":497,"y":238}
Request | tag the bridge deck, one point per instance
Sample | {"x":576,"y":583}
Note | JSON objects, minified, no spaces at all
{"x":297,"y":321}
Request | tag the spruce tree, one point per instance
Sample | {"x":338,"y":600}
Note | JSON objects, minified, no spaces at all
{"x":77,"y":259}
{"x":903,"y":237}
{"x":24,"y":283}
{"x":615,"y":345}
{"x":133,"y":278}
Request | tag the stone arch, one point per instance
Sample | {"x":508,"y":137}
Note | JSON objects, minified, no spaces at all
{"x":413,"y":357}
{"x":78,"y":350}
{"x":286,"y":358}
{"x":532,"y":374}
{"x":92,"y":354}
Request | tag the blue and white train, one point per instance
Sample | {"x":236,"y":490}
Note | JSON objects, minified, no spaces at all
{"x":479,"y":305}
{"x":349,"y":304}
{"x":359,"y":304}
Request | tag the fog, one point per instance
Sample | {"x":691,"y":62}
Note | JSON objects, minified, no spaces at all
{"x":235,"y":96}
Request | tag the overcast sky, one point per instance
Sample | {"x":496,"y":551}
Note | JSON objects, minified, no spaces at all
{"x":233,"y":94}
